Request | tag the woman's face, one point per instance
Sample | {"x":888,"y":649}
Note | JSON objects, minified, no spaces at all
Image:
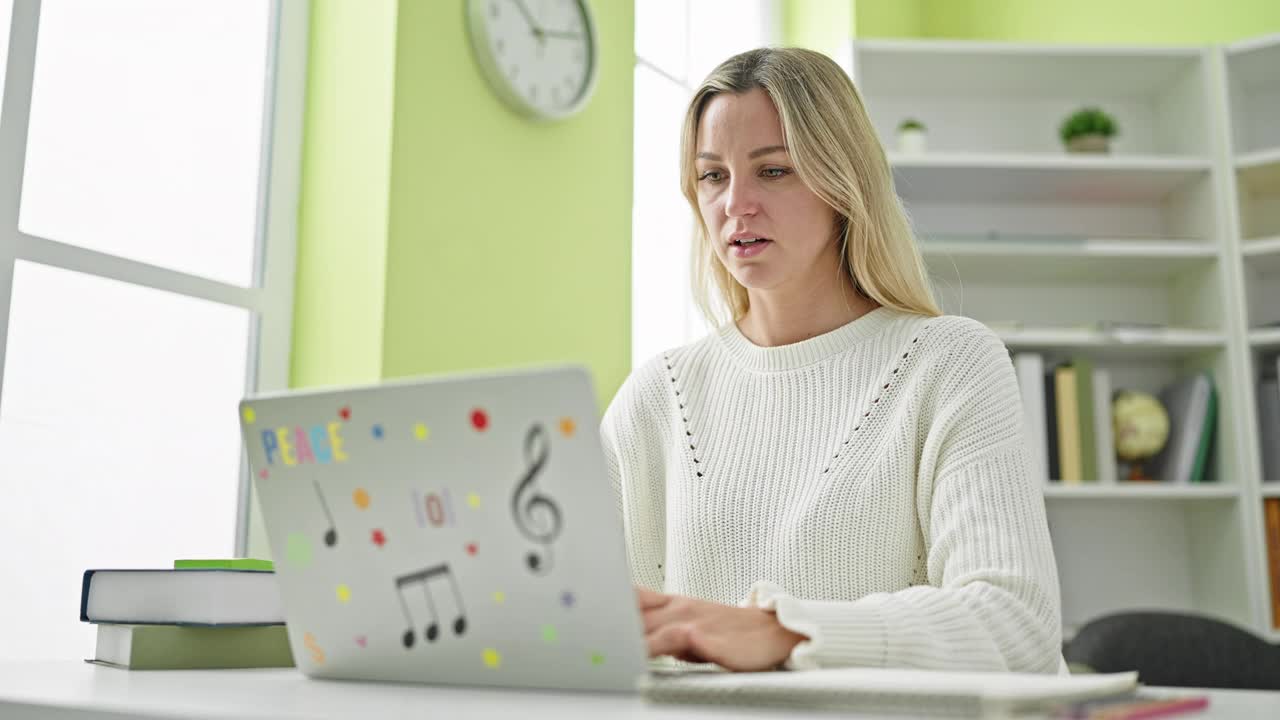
{"x":748,"y":188}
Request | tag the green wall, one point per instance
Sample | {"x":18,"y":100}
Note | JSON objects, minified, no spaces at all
{"x":822,"y":25}
{"x":510,"y":240}
{"x":1129,"y":22}
{"x":439,"y":231}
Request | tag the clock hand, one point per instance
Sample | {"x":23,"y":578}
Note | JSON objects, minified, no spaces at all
{"x":528,"y":18}
{"x":560,"y":34}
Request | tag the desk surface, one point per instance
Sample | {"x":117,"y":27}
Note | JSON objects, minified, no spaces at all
{"x":68,"y":690}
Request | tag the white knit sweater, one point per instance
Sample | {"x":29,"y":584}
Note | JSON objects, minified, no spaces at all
{"x":872,"y":485}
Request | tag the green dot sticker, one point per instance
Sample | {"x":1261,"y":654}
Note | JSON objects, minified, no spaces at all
{"x":597,"y":659}
{"x":298,"y":550}
{"x":549,"y":634}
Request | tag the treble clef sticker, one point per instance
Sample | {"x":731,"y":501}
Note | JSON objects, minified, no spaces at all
{"x":537,"y":515}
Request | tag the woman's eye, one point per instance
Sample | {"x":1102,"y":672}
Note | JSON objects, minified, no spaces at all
{"x":773,"y":172}
{"x":712,"y":175}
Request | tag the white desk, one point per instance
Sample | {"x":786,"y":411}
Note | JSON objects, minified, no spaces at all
{"x":70,"y":690}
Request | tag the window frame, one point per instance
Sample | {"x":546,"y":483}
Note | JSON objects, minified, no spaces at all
{"x":270,"y":299}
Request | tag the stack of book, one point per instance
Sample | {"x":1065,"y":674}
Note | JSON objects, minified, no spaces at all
{"x":1068,"y":406}
{"x":1272,"y":513}
{"x":202,"y":614}
{"x":1269,"y":422}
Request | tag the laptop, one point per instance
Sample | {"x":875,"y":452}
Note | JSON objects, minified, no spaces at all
{"x":456,"y":529}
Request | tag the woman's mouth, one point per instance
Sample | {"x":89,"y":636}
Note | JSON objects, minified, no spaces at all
{"x":749,"y":247}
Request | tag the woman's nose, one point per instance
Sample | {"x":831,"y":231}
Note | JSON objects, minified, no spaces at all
{"x":741,"y":199}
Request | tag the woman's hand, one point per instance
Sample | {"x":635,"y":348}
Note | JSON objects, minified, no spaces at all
{"x":702,"y":631}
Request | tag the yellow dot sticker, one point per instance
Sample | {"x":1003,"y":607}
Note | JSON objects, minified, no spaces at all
{"x":421,"y":432}
{"x":473,"y":500}
{"x":344,"y":594}
{"x":249,"y":415}
{"x":361,"y":498}
{"x":567,"y":427}
{"x":499,"y":597}
{"x":492,"y":658}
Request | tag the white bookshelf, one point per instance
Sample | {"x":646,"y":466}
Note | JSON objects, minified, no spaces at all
{"x":1071,"y":255}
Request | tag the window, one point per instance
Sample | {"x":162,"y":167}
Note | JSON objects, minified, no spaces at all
{"x":149,"y":164}
{"x":677,"y":43}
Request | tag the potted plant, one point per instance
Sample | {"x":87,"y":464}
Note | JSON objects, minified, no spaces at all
{"x":1088,"y":130}
{"x":911,"y":137}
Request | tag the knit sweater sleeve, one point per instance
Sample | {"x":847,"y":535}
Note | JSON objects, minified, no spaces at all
{"x":634,"y":455}
{"x":992,"y":598}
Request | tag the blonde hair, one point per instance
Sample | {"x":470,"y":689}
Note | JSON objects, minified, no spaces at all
{"x":837,"y":155}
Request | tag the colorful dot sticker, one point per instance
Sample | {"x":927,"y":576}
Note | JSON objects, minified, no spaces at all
{"x":421,"y":432}
{"x":377,"y":432}
{"x":479,"y":420}
{"x":472,"y":549}
{"x":499,"y":597}
{"x":263,"y":473}
{"x":567,"y":427}
{"x":473,"y":500}
{"x":597,"y":659}
{"x":317,"y":653}
{"x":249,"y":415}
{"x":549,"y":634}
{"x":298,"y":550}
{"x":379,"y":538}
{"x":344,"y":412}
{"x":361,"y":498}
{"x":344,"y":594}
{"x":492,"y":658}
{"x":362,"y":640}
{"x":566,"y":599}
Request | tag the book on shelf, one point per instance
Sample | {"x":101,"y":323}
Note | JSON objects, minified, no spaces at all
{"x":1030,"y":373}
{"x":1068,"y":411}
{"x":1103,"y":427}
{"x":175,"y":647}
{"x":1269,"y":425}
{"x":1191,"y":403}
{"x":192,"y":595}
{"x":1271,"y":507}
{"x":1085,"y":418}
{"x":1051,"y":425}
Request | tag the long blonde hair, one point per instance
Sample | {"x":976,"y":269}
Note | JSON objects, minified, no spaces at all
{"x":837,"y":155}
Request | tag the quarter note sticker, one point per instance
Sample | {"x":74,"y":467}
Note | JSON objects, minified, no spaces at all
{"x":330,"y":535}
{"x":537,"y":516}
{"x":424,"y":577}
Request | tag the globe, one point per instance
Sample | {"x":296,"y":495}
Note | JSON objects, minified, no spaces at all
{"x":1140,"y":426}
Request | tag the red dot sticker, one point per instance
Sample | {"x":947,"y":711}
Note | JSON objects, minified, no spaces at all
{"x":472,"y":549}
{"x":479,"y":420}
{"x":345,"y":413}
{"x":379,"y":539}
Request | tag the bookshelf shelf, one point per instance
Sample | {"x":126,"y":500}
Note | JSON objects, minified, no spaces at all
{"x":1262,"y":255}
{"x":1042,"y":177}
{"x":1145,"y":491}
{"x":1271,"y":489}
{"x":1111,"y":346}
{"x":1258,"y":159}
{"x":1265,"y":339}
{"x":1068,"y":260}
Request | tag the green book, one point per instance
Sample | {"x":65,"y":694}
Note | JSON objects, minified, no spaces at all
{"x":173,"y":647}
{"x":1084,"y":401}
{"x":224,"y":564}
{"x":1206,"y":434}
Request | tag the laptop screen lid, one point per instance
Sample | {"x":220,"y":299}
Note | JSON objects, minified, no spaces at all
{"x":454,"y":529}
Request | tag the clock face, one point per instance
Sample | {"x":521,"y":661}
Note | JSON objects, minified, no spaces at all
{"x":539,"y":55}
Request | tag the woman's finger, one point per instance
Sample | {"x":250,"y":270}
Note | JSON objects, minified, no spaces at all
{"x":647,"y":598}
{"x":656,"y":616}
{"x":672,"y":639}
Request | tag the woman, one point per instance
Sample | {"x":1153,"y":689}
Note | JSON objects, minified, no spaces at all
{"x":838,"y":476}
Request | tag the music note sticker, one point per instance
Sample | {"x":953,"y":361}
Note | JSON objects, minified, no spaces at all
{"x":536,"y":515}
{"x":330,"y":535}
{"x":424,"y":577}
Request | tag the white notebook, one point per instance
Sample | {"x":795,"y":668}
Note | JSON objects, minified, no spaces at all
{"x":915,"y":692}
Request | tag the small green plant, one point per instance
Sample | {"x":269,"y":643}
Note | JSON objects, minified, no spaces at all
{"x":1087,"y":121}
{"x":911,"y":124}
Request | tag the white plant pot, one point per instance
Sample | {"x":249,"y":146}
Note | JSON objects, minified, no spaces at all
{"x":911,"y":142}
